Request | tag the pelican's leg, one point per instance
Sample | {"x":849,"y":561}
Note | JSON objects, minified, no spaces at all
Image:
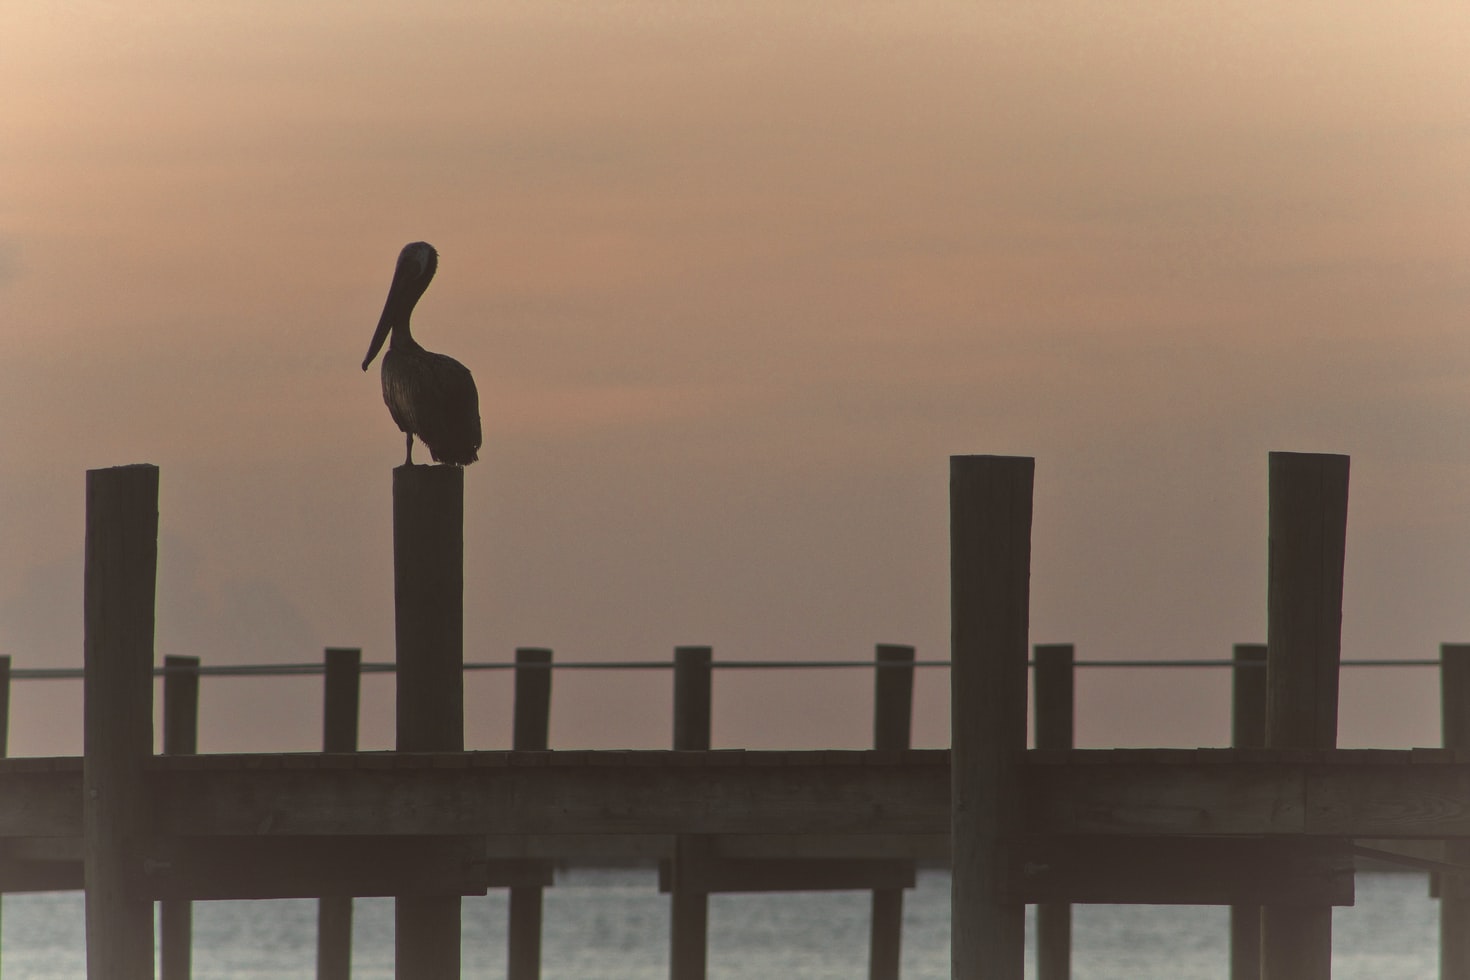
{"x":408,"y":460}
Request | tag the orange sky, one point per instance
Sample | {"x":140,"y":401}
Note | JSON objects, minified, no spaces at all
{"x":733,"y":286}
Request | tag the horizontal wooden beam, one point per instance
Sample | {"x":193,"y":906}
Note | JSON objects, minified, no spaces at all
{"x":1183,"y":871}
{"x":613,"y":793}
{"x":308,"y":867}
{"x":1219,"y":792}
{"x":27,"y":875}
{"x":1339,"y":793}
{"x":41,"y":802}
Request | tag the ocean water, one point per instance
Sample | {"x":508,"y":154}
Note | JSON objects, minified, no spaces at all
{"x":613,"y":925}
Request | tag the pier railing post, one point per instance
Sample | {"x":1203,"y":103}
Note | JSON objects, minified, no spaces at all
{"x":119,"y":587}
{"x":428,"y":589}
{"x":180,"y":737}
{"x":1247,"y":731}
{"x":1054,"y":699}
{"x":4,"y":705}
{"x":1308,"y":533}
{"x":893,"y":709}
{"x":1454,"y":890}
{"x":341,"y":698}
{"x":689,"y":906}
{"x":990,"y":571}
{"x":532,"y":722}
{"x":4,"y":729}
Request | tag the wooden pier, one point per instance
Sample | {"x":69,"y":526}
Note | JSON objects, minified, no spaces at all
{"x":1270,"y":824}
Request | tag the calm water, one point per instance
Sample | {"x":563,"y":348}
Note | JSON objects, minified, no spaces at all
{"x":613,"y":925}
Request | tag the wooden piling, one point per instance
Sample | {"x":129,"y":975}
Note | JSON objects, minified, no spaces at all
{"x":990,"y":569}
{"x":1454,"y":890}
{"x":1247,"y":731}
{"x":180,"y":737}
{"x":341,"y":697}
{"x":4,"y":731}
{"x":1308,"y":533}
{"x":118,"y":585}
{"x":531,"y":726}
{"x":1054,"y":700}
{"x":689,"y":906}
{"x":428,"y":589}
{"x":893,"y":700}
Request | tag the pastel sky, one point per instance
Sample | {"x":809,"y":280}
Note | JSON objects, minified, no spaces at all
{"x":734,"y":281}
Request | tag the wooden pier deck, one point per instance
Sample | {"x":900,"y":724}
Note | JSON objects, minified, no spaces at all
{"x":755,"y":804}
{"x":1268,"y":828}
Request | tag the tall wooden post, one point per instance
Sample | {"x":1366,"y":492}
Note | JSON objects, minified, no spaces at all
{"x":428,"y":589}
{"x":532,"y":722}
{"x":689,"y":906}
{"x":1054,"y":700}
{"x":180,"y":737}
{"x":893,"y":709}
{"x":1247,"y":731}
{"x":1308,"y":535}
{"x":341,"y":697}
{"x":1454,"y":890}
{"x":990,"y":572}
{"x":118,"y":586}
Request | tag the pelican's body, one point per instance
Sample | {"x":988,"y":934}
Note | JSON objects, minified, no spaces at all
{"x":429,"y":395}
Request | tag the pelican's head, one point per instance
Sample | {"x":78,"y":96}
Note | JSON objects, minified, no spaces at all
{"x":416,"y":265}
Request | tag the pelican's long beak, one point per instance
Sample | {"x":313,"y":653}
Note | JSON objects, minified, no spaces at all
{"x":385,"y":327}
{"x":416,"y":264}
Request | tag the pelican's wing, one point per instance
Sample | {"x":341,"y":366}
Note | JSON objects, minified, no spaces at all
{"x":434,"y":397}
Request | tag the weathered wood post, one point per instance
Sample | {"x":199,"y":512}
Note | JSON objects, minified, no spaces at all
{"x":341,"y":698}
{"x":688,"y":903}
{"x":428,"y":589}
{"x":4,"y":719}
{"x":1454,"y":890}
{"x":1054,"y":701}
{"x":532,"y":722}
{"x":1308,"y":534}
{"x":4,"y":705}
{"x":1247,"y":731}
{"x":990,"y":572}
{"x":118,"y":586}
{"x":893,"y":709}
{"x":180,"y":737}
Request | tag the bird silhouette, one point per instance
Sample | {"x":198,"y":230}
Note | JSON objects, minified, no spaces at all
{"x":429,"y":395}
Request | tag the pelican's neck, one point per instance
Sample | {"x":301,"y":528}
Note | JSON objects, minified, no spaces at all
{"x":402,"y":338}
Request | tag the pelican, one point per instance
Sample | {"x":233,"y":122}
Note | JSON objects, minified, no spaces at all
{"x":429,"y":395}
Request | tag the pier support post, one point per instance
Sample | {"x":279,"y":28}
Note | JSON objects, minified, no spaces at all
{"x":532,"y":722}
{"x":341,"y":697}
{"x":990,"y":571}
{"x":1454,"y":890}
{"x":1054,"y":699}
{"x":1308,"y":534}
{"x":119,"y":586}
{"x":428,"y":590}
{"x":180,"y":737}
{"x":689,"y":907}
{"x":1247,"y":731}
{"x":893,"y":709}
